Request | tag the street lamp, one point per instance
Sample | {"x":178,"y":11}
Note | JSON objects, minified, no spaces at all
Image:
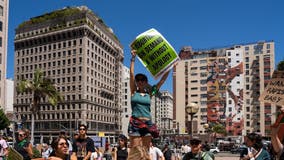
{"x":191,"y":109}
{"x":207,"y":129}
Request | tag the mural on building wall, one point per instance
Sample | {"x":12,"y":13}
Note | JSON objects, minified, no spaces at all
{"x":219,"y":89}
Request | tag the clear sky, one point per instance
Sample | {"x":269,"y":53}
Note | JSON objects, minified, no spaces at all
{"x":197,"y":23}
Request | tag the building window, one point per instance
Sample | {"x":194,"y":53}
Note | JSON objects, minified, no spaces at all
{"x":1,"y":26}
{"x":1,"y":10}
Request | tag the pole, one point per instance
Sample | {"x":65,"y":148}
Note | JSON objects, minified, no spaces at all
{"x":191,"y":119}
{"x":156,"y":109}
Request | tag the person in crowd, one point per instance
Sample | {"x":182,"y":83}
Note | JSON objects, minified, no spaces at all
{"x":108,"y":154}
{"x":75,"y":136}
{"x":63,"y":133}
{"x":23,"y":145}
{"x":185,"y":148}
{"x":122,"y":150}
{"x":167,"y":152}
{"x":256,"y":151}
{"x":276,"y":142}
{"x":60,"y":148}
{"x":205,"y":146}
{"x":196,"y":152}
{"x":46,"y":150}
{"x":155,"y":153}
{"x":3,"y":148}
{"x":83,"y":146}
{"x":141,"y":110}
{"x":97,"y":155}
{"x":243,"y":151}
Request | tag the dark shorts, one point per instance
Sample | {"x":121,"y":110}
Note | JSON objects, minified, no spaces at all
{"x":133,"y":130}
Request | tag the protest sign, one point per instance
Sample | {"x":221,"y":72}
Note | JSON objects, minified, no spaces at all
{"x":155,"y":52}
{"x":274,"y":92}
{"x":14,"y":155}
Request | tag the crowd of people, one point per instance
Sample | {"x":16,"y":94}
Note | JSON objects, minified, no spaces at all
{"x":141,"y":131}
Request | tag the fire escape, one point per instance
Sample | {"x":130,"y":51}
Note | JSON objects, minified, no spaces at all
{"x":117,"y":94}
{"x":255,"y":92}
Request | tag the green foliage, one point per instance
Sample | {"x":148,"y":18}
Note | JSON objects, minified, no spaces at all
{"x":4,"y":121}
{"x":36,"y":153}
{"x":40,"y":87}
{"x":280,"y":66}
{"x":59,"y":13}
{"x":219,"y":128}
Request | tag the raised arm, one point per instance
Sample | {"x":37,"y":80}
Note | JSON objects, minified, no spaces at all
{"x":275,"y":141}
{"x":132,"y":78}
{"x":162,"y":80}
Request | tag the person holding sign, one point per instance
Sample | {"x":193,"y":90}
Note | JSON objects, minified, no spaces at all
{"x":275,"y":136}
{"x":23,"y":146}
{"x":141,"y":120}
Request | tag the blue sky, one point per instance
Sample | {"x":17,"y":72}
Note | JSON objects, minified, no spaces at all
{"x":197,"y":23}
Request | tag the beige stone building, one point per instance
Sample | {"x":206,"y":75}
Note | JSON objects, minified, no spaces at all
{"x":84,"y":58}
{"x":4,"y":11}
{"x":225,"y":83}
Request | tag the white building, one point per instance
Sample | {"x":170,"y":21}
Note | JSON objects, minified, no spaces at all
{"x":9,"y":95}
{"x":4,"y":11}
{"x":165,"y":112}
{"x":126,"y":104}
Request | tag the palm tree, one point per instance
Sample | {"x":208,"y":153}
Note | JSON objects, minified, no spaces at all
{"x":40,"y":87}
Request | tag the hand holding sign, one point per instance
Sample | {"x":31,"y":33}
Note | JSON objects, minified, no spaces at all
{"x":155,"y":53}
{"x":274,"y":90}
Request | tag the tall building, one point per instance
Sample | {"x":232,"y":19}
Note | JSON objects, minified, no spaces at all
{"x":165,"y":113}
{"x":226,"y":84}
{"x":84,"y":58}
{"x":9,"y":95}
{"x":4,"y":11}
{"x":126,"y":104}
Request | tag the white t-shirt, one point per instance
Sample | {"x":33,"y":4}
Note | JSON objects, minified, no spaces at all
{"x":70,"y":145}
{"x":96,"y":156}
{"x":3,"y":145}
{"x":187,"y":149}
{"x":154,"y":152}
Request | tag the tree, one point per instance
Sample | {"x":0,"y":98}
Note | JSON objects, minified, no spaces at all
{"x":280,"y":66}
{"x":4,"y":121}
{"x":216,"y":128}
{"x":40,"y":87}
{"x":219,"y":129}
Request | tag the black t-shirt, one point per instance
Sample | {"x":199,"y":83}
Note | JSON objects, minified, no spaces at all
{"x":121,"y":153}
{"x":82,"y":147}
{"x":282,"y":156}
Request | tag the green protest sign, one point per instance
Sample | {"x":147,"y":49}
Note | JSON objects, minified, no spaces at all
{"x":14,"y":155}
{"x":155,"y":52}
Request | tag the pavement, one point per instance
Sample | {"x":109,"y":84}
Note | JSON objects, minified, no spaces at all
{"x":222,"y":156}
{"x":226,"y":156}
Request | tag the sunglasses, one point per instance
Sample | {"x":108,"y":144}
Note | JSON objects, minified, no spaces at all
{"x":21,"y":135}
{"x":82,"y":129}
{"x":62,"y":144}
